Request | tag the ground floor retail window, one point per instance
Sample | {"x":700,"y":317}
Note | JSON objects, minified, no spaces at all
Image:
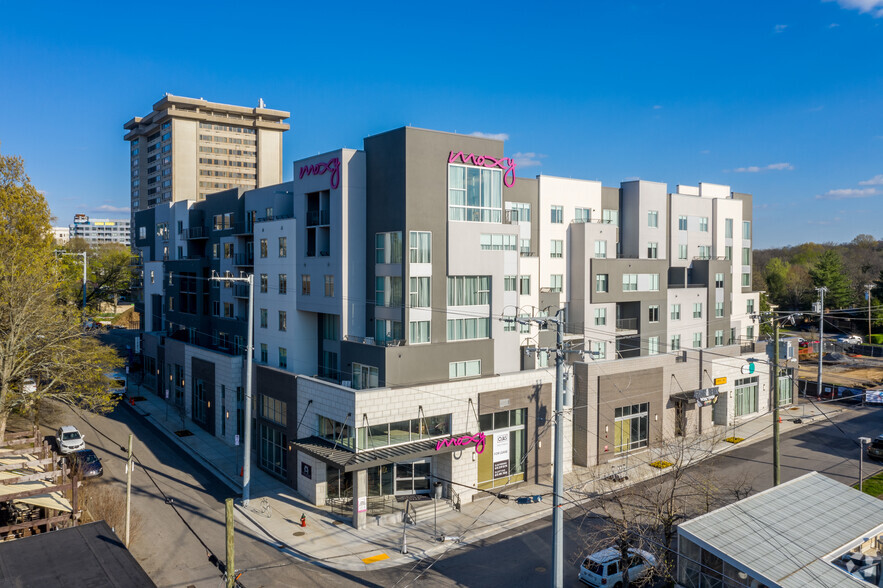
{"x":746,"y":396}
{"x":631,"y":427}
{"x":273,"y":450}
{"x":785,"y":391}
{"x":199,"y":402}
{"x":339,"y":484}
{"x":504,"y":459}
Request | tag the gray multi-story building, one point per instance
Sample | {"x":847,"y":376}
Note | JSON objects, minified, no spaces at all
{"x":100,"y":231}
{"x":393,"y":288}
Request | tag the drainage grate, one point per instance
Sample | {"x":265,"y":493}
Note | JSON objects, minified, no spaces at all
{"x":299,"y":533}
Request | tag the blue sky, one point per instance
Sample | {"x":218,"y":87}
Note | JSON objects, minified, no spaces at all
{"x":783,"y":100}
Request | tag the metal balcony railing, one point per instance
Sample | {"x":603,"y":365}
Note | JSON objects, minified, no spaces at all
{"x":195,"y":233}
{"x":317,"y":217}
{"x":627,"y":324}
{"x":244,"y":259}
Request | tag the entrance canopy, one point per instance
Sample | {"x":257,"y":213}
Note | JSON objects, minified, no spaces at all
{"x":351,"y":462}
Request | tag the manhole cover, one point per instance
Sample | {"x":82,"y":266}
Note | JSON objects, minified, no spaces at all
{"x":540,"y":569}
{"x":299,"y":533}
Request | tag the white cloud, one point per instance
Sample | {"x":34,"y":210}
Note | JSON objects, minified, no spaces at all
{"x":494,"y":136}
{"x":875,"y":181}
{"x":833,"y":25}
{"x":779,"y":28}
{"x":753,"y":169}
{"x":109,"y":208}
{"x":873,"y":6}
{"x":844,"y":193}
{"x":528,"y":159}
{"x":705,"y":151}
{"x":657,"y":106}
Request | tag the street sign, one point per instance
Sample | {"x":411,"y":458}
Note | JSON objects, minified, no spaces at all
{"x":748,"y":368}
{"x":720,"y":381}
{"x":706,"y":396}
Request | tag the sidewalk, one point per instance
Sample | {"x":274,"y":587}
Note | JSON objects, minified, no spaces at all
{"x":275,"y":509}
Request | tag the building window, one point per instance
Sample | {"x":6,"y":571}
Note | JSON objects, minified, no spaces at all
{"x":654,"y":282}
{"x":264,"y":353}
{"x":582,"y":215}
{"x":704,"y":252}
{"x":388,"y":247}
{"x":749,"y":306}
{"x":652,"y":250}
{"x":746,"y":256}
{"x":305,"y":284}
{"x":419,"y":331}
{"x":283,"y":320}
{"x":728,"y":228}
{"x":629,"y":282}
{"x":283,"y":283}
{"x":498,"y":242}
{"x":524,"y":246}
{"x":557,"y":248}
{"x":263,"y":318}
{"x":283,"y":357}
{"x":364,"y":376}
{"x":283,"y":246}
{"x":388,"y":291}
{"x":469,"y":290}
{"x":682,"y":252}
{"x":697,"y":340}
{"x":675,"y":312}
{"x":600,"y":249}
{"x":273,"y":450}
{"x":749,"y":333}
{"x":718,"y":280}
{"x":728,"y":252}
{"x":745,"y":392}
{"x":475,"y":194}
{"x":746,"y":280}
{"x":387,"y":330}
{"x":746,"y":230}
{"x":519,"y":212}
{"x":329,"y":285}
{"x":216,"y":250}
{"x":263,"y":248}
{"x":464,"y":369}
{"x":682,"y":223}
{"x":273,"y":410}
{"x":600,"y":317}
{"x":556,"y":282}
{"x":152,"y":276}
{"x":697,"y":310}
{"x":718,"y":310}
{"x":216,"y":308}
{"x":228,"y":310}
{"x":600,"y":282}
{"x":703,"y":224}
{"x":470,"y":328}
{"x":652,"y":345}
{"x":609,"y":216}
{"x":264,"y":283}
{"x":557,"y":216}
{"x":718,"y":338}
{"x":524,"y":285}
{"x":653,"y":313}
{"x":509,"y":283}
{"x":599,"y":349}
{"x":420,"y":246}
{"x":419,"y":292}
{"x":632,"y":425}
{"x":675,"y":343}
{"x":652,"y":218}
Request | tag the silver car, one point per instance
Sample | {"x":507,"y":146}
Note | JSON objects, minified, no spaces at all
{"x":69,"y":439}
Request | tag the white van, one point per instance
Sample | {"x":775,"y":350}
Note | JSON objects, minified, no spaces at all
{"x":602,"y":568}
{"x":117,"y":386}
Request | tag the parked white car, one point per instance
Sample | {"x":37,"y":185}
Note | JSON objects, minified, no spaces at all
{"x":117,"y":387}
{"x":69,"y":439}
{"x":850,"y":340}
{"x":603,"y":569}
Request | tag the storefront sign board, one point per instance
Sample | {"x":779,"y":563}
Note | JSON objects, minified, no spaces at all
{"x":501,"y":455}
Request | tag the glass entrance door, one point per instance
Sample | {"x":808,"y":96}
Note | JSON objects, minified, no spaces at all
{"x":412,"y":477}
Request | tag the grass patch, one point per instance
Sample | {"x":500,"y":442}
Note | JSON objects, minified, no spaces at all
{"x":873,"y":485}
{"x":661,"y":464}
{"x":734,"y":440}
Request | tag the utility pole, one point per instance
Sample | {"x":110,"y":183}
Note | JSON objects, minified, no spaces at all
{"x":231,"y":570}
{"x":249,"y":361}
{"x":774,"y":393}
{"x":821,"y":291}
{"x":84,"y":285}
{"x":129,"y":491}
{"x":868,"y":288}
{"x":558,"y":456}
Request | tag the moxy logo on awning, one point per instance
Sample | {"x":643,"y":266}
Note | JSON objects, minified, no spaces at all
{"x":507,"y":164}
{"x":319,"y":169}
{"x":479,"y":440}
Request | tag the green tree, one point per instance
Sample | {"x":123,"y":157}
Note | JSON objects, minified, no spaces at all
{"x":108,"y":273}
{"x":41,"y":336}
{"x":828,"y":272}
{"x":775,"y":274}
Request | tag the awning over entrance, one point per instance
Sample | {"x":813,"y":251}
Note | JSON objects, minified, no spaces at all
{"x":703,"y":396}
{"x":351,"y":462}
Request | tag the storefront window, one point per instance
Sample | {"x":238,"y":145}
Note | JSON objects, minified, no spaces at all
{"x":373,"y":436}
{"x":339,"y":483}
{"x":337,"y":433}
{"x":785,"y":390}
{"x":746,"y":396}
{"x":632,"y":423}
{"x":273,"y":451}
{"x":504,"y":459}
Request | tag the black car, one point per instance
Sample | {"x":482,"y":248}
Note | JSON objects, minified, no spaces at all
{"x":875,"y":449}
{"x":85,"y":464}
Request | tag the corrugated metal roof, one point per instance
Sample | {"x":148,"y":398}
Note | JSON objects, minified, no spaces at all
{"x":785,"y":533}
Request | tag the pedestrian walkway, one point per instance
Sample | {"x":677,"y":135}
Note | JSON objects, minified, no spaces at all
{"x":275,"y":510}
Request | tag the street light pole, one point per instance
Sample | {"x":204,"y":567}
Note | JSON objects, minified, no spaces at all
{"x":774,"y":389}
{"x":249,"y":361}
{"x":861,"y":460}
